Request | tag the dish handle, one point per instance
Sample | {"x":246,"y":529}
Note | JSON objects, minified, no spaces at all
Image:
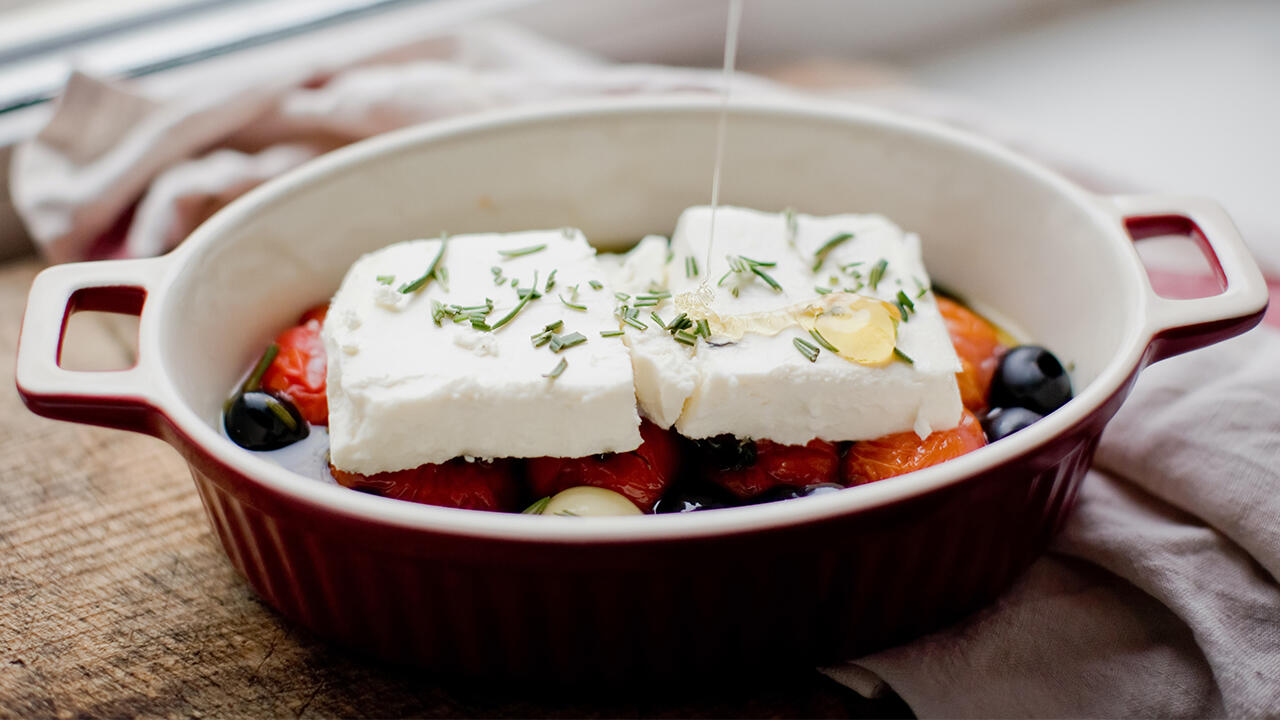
{"x":125,"y":399}
{"x":1181,"y":325}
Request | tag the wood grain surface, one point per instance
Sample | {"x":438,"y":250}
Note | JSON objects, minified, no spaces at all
{"x":115,"y":600}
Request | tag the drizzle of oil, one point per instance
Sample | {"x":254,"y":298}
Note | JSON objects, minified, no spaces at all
{"x":863,"y":330}
{"x":702,"y":296}
{"x":730,"y":57}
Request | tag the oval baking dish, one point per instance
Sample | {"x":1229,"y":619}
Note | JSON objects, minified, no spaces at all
{"x":807,"y":580}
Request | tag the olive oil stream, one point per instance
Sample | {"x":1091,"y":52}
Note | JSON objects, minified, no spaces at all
{"x":730,"y":58}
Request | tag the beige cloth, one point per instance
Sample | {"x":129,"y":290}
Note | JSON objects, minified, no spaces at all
{"x":116,"y":174}
{"x":1160,"y":596}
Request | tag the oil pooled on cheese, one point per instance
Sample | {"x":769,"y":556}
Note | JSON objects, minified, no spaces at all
{"x":862,"y":329}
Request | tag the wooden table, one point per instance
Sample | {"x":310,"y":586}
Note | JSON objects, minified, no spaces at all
{"x":115,"y":599}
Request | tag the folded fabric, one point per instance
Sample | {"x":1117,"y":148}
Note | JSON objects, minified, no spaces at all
{"x":117,"y":174}
{"x":1160,"y":595}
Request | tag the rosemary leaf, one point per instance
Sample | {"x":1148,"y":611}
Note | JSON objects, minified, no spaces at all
{"x":556,"y":372}
{"x":421,"y":282}
{"x":820,"y":255}
{"x":519,"y":252}
{"x":807,"y":349}
{"x":817,"y":336}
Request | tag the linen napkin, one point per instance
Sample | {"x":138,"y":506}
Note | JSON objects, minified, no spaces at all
{"x":1158,"y":598}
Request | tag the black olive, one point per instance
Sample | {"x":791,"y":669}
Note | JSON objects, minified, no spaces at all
{"x":1030,"y":377}
{"x":259,"y":421}
{"x":1003,"y":422}
{"x":693,"y":496}
{"x":726,"y":452}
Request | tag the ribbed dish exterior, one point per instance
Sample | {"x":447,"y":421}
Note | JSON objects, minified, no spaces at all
{"x":814,"y":592}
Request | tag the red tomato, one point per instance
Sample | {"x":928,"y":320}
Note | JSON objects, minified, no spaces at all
{"x":872,"y":460}
{"x":979,"y":348}
{"x":298,"y":371}
{"x":457,"y":483}
{"x":642,"y":475}
{"x":316,"y":313}
{"x":794,"y":465}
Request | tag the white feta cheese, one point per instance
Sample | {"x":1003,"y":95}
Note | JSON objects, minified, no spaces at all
{"x":664,"y":375}
{"x":760,"y":386}
{"x":404,"y":391}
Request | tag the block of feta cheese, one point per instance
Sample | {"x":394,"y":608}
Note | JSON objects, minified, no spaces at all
{"x":761,"y":385}
{"x":665,"y":375}
{"x":412,"y":379}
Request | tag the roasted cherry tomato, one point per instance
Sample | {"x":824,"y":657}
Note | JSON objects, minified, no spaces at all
{"x":769,"y":465}
{"x":978,"y":345}
{"x":642,"y":475}
{"x":458,"y":484}
{"x":900,"y":453}
{"x":298,"y":370}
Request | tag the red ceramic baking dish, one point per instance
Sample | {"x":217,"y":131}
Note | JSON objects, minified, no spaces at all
{"x":808,"y":580}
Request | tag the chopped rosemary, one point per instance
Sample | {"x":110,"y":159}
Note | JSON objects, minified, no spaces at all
{"x":877,"y":273}
{"x":421,"y":282}
{"x":821,"y":290}
{"x":538,"y":505}
{"x":903,"y":357}
{"x":611,"y":333}
{"x":820,"y":255}
{"x":254,"y":381}
{"x":551,"y":281}
{"x":646,"y":302}
{"x":635,"y":323}
{"x":765,"y":277}
{"x":519,"y":252}
{"x":704,"y":329}
{"x":542,"y":338}
{"x":685,"y":338}
{"x":278,"y":409}
{"x":621,"y":296}
{"x":572,"y":305}
{"x":386,"y":279}
{"x":807,"y":349}
{"x":826,"y":345}
{"x":524,"y":300}
{"x":905,"y":305}
{"x":690,"y":267}
{"x":681,"y":322}
{"x":658,"y":319}
{"x":595,"y":284}
{"x":556,"y":372}
{"x":442,"y":277}
{"x":742,"y":264}
{"x":564,"y":342}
